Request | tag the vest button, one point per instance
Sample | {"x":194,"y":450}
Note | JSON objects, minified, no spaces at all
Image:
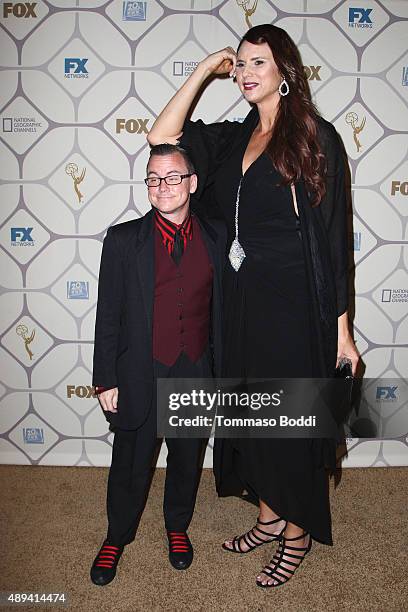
{"x":180,"y":290}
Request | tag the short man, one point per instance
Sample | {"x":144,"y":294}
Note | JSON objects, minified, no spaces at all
{"x":158,"y":316}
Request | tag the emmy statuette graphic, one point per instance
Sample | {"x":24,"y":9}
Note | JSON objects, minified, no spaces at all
{"x":352,"y":119}
{"x":72,"y":170}
{"x":22,"y":330}
{"x":244,"y":4}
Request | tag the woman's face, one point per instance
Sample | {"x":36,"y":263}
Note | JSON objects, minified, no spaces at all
{"x":257,"y":74}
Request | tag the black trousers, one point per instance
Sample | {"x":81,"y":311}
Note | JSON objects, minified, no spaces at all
{"x":131,"y":468}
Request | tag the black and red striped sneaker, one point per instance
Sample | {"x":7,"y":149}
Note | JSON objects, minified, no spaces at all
{"x":180,"y":549}
{"x":103,"y":569}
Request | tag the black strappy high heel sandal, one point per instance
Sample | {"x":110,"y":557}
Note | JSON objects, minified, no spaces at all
{"x":252,"y":540}
{"x":281,"y":563}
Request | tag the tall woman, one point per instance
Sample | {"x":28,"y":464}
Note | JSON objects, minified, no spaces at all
{"x":278,"y":179}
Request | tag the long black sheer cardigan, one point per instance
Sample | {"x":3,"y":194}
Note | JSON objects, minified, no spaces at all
{"x":324,"y":231}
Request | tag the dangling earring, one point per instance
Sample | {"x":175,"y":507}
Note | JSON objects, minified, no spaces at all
{"x":286,"y":86}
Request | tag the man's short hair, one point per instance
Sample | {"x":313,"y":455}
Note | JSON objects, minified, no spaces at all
{"x":170,"y":149}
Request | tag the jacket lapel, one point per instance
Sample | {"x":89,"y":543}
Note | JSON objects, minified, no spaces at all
{"x":210,"y":240}
{"x":145,"y":264}
{"x":214,"y":250}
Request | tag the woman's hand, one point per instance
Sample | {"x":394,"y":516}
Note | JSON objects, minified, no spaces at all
{"x":220,"y":62}
{"x":346,"y":349}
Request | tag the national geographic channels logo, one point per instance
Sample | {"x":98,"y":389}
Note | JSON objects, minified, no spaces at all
{"x":394,"y":296}
{"x":183,"y":68}
{"x":21,"y":124}
{"x":19,"y":9}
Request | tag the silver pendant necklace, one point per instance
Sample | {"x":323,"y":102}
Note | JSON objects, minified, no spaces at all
{"x":237,"y":253}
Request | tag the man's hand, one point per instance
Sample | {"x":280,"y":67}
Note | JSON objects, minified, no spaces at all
{"x":109,"y":399}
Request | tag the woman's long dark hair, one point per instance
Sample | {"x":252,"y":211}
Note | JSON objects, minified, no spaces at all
{"x":294,"y":147}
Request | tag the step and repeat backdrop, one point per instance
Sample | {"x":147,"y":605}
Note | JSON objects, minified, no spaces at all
{"x":81,"y":83}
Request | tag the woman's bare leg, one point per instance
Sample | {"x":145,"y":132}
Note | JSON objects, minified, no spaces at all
{"x":266,"y":515}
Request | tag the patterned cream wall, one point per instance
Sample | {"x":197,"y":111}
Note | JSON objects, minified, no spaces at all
{"x":81,"y":83}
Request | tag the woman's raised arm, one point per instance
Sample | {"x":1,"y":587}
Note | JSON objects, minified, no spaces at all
{"x":169,"y":124}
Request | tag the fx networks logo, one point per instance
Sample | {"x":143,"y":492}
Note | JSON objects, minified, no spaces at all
{"x":81,"y":391}
{"x":21,"y":124}
{"x":78,"y":290}
{"x":398,"y":187}
{"x":394,"y":296}
{"x":33,"y":435}
{"x":133,"y":126}
{"x":405,"y":76}
{"x":19,"y":9}
{"x":21,"y":236}
{"x":312,"y":73}
{"x":386,"y":394}
{"x":74,"y":68}
{"x":184,"y":68}
{"x":134,"y":11}
{"x":356,"y":241}
{"x":360,"y":18}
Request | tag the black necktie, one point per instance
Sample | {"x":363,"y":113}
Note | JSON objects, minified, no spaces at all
{"x":178,"y":247}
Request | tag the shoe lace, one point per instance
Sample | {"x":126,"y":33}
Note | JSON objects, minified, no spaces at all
{"x":107,"y":556}
{"x":178,"y":541}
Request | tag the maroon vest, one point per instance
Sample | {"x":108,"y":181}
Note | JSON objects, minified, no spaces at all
{"x":182,"y":296}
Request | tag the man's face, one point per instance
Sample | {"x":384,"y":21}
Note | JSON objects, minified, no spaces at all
{"x":171,"y":200}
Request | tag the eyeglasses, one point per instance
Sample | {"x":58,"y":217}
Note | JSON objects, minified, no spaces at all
{"x":173,"y":179}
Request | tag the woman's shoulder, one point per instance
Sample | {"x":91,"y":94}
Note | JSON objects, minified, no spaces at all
{"x":329,"y":138}
{"x":197,"y":133}
{"x":326,"y":131}
{"x":228,"y":126}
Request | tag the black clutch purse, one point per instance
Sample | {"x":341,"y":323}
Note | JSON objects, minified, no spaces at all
{"x":344,"y":370}
{"x":344,"y":391}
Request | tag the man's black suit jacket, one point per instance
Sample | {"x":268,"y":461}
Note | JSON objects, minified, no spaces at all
{"x":124,"y":318}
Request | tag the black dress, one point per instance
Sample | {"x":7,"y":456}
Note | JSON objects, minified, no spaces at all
{"x":269,"y":326}
{"x":268,"y":334}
